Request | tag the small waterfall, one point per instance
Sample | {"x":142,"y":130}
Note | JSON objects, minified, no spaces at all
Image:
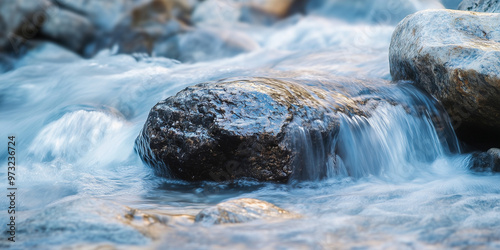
{"x":404,"y":132}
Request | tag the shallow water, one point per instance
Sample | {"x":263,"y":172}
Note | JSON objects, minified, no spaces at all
{"x":399,"y":182}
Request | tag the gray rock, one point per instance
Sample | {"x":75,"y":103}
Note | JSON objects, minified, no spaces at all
{"x":495,"y":153}
{"x":20,"y":21}
{"x":63,"y":22}
{"x":242,"y":210}
{"x":104,"y":15}
{"x":486,"y":161}
{"x":70,"y":29}
{"x":492,"y":6}
{"x":205,"y":44}
{"x":454,"y":56}
{"x":147,"y":28}
{"x":88,"y":26}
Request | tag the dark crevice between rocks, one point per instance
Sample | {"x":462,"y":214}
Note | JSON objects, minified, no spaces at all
{"x":476,"y":138}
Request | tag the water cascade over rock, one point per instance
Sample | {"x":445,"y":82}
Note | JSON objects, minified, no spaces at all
{"x":454,"y":56}
{"x":274,"y":130}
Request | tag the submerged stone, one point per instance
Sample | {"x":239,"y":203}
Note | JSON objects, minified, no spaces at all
{"x":242,"y":210}
{"x":454,"y":56}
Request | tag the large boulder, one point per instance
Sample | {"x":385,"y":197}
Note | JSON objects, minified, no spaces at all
{"x":269,"y":129}
{"x":454,"y":56}
{"x":492,"y":6}
{"x":235,"y":129}
{"x":242,"y":210}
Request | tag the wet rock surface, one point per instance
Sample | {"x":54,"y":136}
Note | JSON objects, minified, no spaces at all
{"x":233,"y":129}
{"x":242,"y":210}
{"x":454,"y":56}
{"x":258,"y":128}
{"x":492,"y":6}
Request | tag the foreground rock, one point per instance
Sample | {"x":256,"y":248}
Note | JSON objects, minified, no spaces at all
{"x":242,"y":210}
{"x":454,"y":56}
{"x":264,"y":129}
{"x":492,"y":6}
{"x":235,"y":129}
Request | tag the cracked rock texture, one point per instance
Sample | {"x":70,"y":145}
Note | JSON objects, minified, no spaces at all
{"x":454,"y":56}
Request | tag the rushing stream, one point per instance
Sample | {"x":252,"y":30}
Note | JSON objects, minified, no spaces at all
{"x":400,"y":183}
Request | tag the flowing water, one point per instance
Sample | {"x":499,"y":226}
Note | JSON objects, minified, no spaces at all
{"x":399,"y":179}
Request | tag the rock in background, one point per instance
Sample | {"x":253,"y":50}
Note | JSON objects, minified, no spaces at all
{"x":156,"y":27}
{"x":454,"y":56}
{"x":492,"y":6}
{"x":20,"y":21}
